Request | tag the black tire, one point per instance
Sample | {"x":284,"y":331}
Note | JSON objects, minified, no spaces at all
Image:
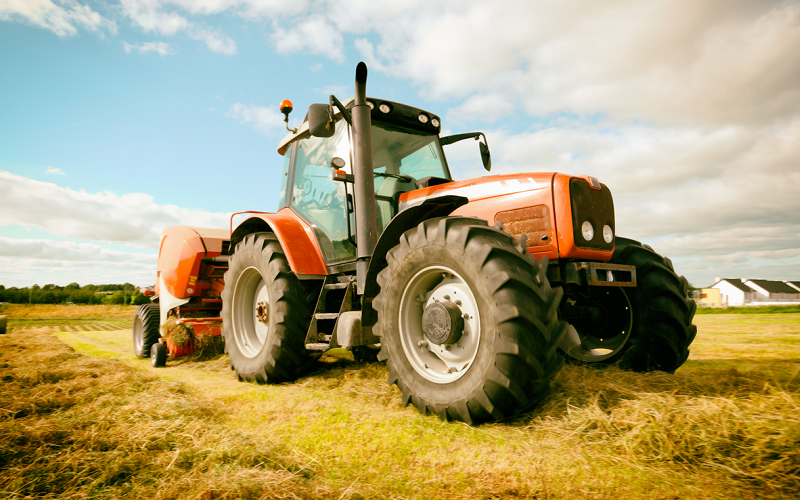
{"x":272,"y":350}
{"x":158,"y":355}
{"x":146,"y":321}
{"x":512,"y":329}
{"x":659,"y":321}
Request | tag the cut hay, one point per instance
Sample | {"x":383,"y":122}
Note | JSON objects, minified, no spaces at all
{"x":206,"y":346}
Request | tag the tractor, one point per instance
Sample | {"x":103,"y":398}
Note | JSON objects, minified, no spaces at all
{"x":472,"y":291}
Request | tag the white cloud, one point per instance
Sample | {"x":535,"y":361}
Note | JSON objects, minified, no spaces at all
{"x":161,"y":48}
{"x":216,"y":42}
{"x":313,"y":35}
{"x":266,"y":120}
{"x":665,"y":61}
{"x":59,"y":16}
{"x":71,"y":251}
{"x":131,"y":219}
{"x":149,"y":16}
{"x":55,"y":171}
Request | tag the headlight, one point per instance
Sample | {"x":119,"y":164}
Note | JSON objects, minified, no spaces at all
{"x":423,"y":118}
{"x":608,"y":234}
{"x":371,"y":104}
{"x":435,"y":123}
{"x":587,"y":230}
{"x":384,"y":108}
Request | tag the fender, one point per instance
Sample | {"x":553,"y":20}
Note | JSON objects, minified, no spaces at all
{"x":295,"y":236}
{"x":402,"y":222}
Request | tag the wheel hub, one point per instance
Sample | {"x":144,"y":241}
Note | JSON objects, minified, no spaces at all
{"x":262,"y":312}
{"x":442,"y":323}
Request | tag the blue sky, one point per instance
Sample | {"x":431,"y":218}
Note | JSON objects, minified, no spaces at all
{"x":121,"y":118}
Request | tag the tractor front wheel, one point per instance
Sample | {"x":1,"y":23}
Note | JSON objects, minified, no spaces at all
{"x":145,"y":329}
{"x":264,"y":313}
{"x":467,"y":321}
{"x":645,"y":328}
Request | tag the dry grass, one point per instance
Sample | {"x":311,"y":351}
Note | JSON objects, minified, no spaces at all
{"x":76,"y":427}
{"x":48,"y":311}
{"x":724,"y":426}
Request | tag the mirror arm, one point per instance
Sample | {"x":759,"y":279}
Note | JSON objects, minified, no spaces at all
{"x":450,"y":139}
{"x":345,"y":112}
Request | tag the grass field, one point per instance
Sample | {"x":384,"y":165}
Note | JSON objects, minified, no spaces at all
{"x":82,"y":418}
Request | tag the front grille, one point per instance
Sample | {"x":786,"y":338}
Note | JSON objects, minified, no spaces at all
{"x":595,"y":206}
{"x":532,"y":221}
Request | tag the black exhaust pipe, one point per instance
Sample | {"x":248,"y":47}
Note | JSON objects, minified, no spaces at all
{"x":364,"y":180}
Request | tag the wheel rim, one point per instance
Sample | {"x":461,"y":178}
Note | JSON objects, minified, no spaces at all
{"x":444,"y":363}
{"x":138,"y":334}
{"x":600,"y":341}
{"x":251,"y":307}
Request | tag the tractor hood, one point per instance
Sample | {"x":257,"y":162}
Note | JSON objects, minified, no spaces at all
{"x":481,"y":188}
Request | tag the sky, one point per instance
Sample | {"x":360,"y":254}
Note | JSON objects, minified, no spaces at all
{"x":120,"y":118}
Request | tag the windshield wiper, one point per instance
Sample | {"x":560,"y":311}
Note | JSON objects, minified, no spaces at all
{"x":402,"y":177}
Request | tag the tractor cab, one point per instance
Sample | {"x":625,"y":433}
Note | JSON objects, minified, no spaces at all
{"x":406,"y":155}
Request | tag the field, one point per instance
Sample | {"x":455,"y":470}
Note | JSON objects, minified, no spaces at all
{"x":80,"y":417}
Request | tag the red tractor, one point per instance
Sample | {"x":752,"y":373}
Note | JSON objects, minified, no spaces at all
{"x":471,"y":291}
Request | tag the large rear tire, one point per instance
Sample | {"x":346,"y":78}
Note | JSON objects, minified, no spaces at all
{"x":145,"y":329}
{"x":467,"y":321}
{"x":645,"y":328}
{"x":265,"y":314}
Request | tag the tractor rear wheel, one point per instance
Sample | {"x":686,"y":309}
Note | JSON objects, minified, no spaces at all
{"x":145,"y":329}
{"x":467,"y":321}
{"x":645,"y":328}
{"x":265,"y":314}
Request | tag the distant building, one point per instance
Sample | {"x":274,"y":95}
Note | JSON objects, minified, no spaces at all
{"x":750,"y":292}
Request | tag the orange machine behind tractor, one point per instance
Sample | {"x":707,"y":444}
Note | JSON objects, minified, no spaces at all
{"x":472,"y":291}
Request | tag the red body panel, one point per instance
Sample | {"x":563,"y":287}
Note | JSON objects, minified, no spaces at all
{"x":297,"y":240}
{"x":501,"y":193}
{"x":180,"y":256}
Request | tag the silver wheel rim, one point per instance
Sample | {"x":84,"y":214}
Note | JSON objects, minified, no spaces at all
{"x":249,"y":293}
{"x":590,"y":349}
{"x":438,"y":363}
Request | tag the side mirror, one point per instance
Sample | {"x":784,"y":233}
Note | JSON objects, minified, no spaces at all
{"x":320,"y":120}
{"x":486,"y":156}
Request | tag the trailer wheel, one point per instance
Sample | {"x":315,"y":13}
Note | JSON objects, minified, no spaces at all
{"x":265,"y":314}
{"x":645,"y":328}
{"x":145,"y":329}
{"x":467,"y":321}
{"x":158,"y":355}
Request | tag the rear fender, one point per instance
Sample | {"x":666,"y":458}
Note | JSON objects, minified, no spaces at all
{"x":295,"y":236}
{"x":402,"y":222}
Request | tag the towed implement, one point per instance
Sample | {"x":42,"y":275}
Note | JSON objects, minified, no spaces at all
{"x":472,"y":291}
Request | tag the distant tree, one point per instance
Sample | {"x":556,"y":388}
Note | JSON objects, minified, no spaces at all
{"x":114,"y":298}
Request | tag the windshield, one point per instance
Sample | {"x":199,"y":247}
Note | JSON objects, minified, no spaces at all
{"x":323,"y":202}
{"x":396,"y":152}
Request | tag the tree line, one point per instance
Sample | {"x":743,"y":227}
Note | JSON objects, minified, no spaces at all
{"x":75,"y":294}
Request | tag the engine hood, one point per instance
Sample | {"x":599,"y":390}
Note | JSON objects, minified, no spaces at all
{"x":481,"y":188}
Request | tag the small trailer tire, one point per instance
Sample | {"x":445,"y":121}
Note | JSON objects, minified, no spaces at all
{"x":158,"y":355}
